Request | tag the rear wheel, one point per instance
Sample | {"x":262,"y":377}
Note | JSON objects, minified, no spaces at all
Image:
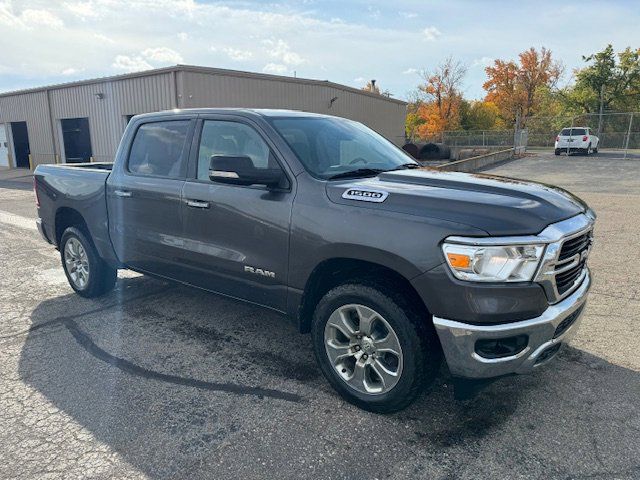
{"x":373,"y":348}
{"x":87,"y":273}
{"x":595,"y":150}
{"x":588,"y":150}
{"x":557,"y":151}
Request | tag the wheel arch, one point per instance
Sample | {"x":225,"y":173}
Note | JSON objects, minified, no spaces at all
{"x":69,"y":217}
{"x":97,"y":234}
{"x":335,"y":271}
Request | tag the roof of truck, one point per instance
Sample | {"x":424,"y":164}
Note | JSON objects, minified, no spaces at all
{"x":264,"y":112}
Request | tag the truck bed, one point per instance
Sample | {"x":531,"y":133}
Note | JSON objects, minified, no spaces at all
{"x":71,"y":189}
{"x":88,"y":166}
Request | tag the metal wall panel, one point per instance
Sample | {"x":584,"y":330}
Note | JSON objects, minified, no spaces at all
{"x":107,"y":102}
{"x":107,"y":114}
{"x":217,"y":90}
{"x":31,"y":108}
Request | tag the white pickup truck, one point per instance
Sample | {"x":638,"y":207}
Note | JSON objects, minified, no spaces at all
{"x":576,"y":139}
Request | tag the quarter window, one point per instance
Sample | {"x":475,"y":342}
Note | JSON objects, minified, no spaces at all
{"x":157,"y":149}
{"x":234,"y":140}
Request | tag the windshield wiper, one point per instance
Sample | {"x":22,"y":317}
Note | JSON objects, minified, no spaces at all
{"x":359,"y":172}
{"x":404,"y":166}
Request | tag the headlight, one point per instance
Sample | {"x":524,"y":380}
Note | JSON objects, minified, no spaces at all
{"x":493,"y":263}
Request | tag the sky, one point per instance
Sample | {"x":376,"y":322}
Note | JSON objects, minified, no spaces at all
{"x":345,"y":41}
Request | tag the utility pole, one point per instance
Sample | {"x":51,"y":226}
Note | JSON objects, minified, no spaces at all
{"x":626,"y":143}
{"x":601,"y":110}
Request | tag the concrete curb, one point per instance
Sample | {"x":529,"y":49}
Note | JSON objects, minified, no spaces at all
{"x":475,"y":164}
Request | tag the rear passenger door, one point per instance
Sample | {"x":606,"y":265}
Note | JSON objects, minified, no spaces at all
{"x":236,"y":237}
{"x":144,"y":196}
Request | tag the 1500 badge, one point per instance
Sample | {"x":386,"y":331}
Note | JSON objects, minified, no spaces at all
{"x":375,"y":196}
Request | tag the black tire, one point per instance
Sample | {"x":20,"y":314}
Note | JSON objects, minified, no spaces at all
{"x":556,"y":151}
{"x":421,"y":352}
{"x":101,"y":277}
{"x":595,"y":150}
{"x":586,"y":150}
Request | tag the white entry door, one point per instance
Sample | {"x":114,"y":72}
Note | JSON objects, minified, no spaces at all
{"x":4,"y":146}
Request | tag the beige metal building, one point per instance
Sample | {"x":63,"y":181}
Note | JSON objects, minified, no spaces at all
{"x":83,"y":121}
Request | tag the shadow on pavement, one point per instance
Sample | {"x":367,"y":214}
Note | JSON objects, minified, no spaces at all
{"x":185,"y":384}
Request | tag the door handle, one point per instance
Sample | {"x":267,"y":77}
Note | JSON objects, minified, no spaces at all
{"x":197,"y":204}
{"x":122,"y":193}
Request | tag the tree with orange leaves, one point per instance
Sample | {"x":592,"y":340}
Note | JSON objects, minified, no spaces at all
{"x":440,"y":98}
{"x":515,"y":87}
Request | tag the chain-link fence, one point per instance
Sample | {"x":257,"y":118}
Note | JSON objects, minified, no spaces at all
{"x":618,"y":132}
{"x":471,"y":138}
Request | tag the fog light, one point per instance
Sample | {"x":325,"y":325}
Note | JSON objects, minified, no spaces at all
{"x":501,"y":347}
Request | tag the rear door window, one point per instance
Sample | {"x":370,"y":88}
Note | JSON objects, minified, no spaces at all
{"x":158,"y":149}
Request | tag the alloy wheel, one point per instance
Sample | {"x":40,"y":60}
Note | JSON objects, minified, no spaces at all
{"x":77,"y":263}
{"x":363,"y":349}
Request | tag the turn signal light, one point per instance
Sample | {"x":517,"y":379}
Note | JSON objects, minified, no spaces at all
{"x":457,"y":260}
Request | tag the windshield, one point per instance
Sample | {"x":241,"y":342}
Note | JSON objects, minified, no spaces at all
{"x":336,"y":147}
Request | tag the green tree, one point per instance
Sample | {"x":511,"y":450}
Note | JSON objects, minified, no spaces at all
{"x":616,"y":76}
{"x":478,"y":115}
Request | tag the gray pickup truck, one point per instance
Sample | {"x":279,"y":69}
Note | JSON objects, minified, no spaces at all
{"x":390,"y":267}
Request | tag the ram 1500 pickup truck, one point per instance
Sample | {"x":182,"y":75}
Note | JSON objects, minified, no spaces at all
{"x":390,"y":267}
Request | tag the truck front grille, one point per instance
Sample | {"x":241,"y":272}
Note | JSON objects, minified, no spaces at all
{"x":574,"y":246}
{"x":565,"y":280}
{"x":564,"y":264}
{"x":573,"y":250}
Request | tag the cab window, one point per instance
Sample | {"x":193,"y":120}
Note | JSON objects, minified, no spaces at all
{"x":231,"y":139}
{"x":158,"y":149}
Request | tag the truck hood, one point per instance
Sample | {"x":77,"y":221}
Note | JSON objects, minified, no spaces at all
{"x":497,"y":205}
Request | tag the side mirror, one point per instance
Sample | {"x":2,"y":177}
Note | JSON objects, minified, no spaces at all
{"x":239,"y":170}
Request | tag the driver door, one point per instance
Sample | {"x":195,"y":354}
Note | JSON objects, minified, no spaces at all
{"x":236,"y":237}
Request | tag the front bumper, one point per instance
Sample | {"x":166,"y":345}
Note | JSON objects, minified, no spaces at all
{"x":459,"y":339}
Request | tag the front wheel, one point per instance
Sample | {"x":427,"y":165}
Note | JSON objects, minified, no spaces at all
{"x":87,"y":273}
{"x":373,"y":347}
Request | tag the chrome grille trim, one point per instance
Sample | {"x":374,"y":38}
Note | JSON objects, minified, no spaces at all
{"x":559,"y":233}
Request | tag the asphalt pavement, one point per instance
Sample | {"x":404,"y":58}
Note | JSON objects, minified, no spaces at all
{"x":157,"y":380}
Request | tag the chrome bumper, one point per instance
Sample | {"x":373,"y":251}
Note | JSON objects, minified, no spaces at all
{"x":459,"y":339}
